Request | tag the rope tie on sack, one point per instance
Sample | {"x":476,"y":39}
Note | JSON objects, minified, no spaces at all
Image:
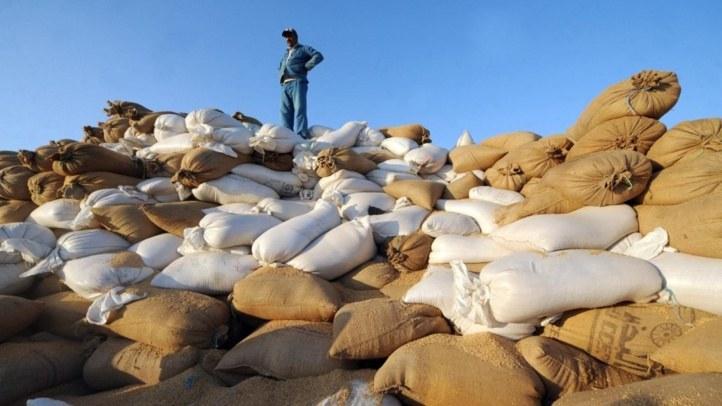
{"x":510,"y":169}
{"x":712,"y":142}
{"x":556,"y":154}
{"x":613,"y":181}
{"x":425,"y":136}
{"x":26,"y":158}
{"x":644,"y":81}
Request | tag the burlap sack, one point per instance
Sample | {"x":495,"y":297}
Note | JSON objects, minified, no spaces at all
{"x":93,"y":135}
{"x":172,"y":319}
{"x":129,"y":109}
{"x":688,"y":138}
{"x":476,"y":369}
{"x":45,"y":187}
{"x":12,"y":211}
{"x":416,"y":132}
{"x":273,"y":160}
{"x":202,"y":165}
{"x":8,"y":158}
{"x":647,"y":93}
{"x":282,"y":349}
{"x":379,"y":155}
{"x":63,"y":315}
{"x":375,"y":328}
{"x":694,"y":227}
{"x":127,"y":220}
{"x":422,"y":193}
{"x":409,"y":253}
{"x":539,"y":199}
{"x":629,"y":133}
{"x":397,"y":288}
{"x":40,"y":159}
{"x":28,"y":367}
{"x":624,"y":336}
{"x":120,"y":362}
{"x":689,"y":178}
{"x":14,"y":183}
{"x":79,"y":186}
{"x":698,"y":350}
{"x":511,"y":141}
{"x":114,"y":129}
{"x":79,"y":158}
{"x":374,"y":274}
{"x":472,"y":157}
{"x":565,"y":369}
{"x":17,"y":314}
{"x":45,"y":285}
{"x":284,"y":293}
{"x":686,"y":389}
{"x":508,"y":175}
{"x":459,"y":188}
{"x":174,"y":217}
{"x":165,"y":165}
{"x":331,"y":160}
{"x":146,"y":124}
{"x":602,"y":178}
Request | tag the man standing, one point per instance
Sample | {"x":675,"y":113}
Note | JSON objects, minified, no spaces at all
{"x":295,"y":64}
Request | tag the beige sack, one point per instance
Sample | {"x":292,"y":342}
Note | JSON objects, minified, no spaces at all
{"x":375,"y":328}
{"x":698,"y":350}
{"x":202,"y":165}
{"x":127,"y":220}
{"x":40,"y":159}
{"x":79,"y":186}
{"x":174,"y":217}
{"x":63,"y":315}
{"x":378,"y":155}
{"x":331,"y":160}
{"x":688,"y":138}
{"x":8,"y":158}
{"x":79,"y":158}
{"x":689,"y":178}
{"x":511,"y":141}
{"x":163,"y":165}
{"x":647,"y":93}
{"x":602,"y":178}
{"x":565,"y":369}
{"x":530,"y":160}
{"x":459,"y":188}
{"x":284,"y":293}
{"x":540,"y":199}
{"x":476,"y":369}
{"x":120,"y":362}
{"x":93,"y":135}
{"x":415,"y":132}
{"x":409,"y":253}
{"x":13,"y":211}
{"x":397,"y":288}
{"x":14,"y":183}
{"x":694,"y":227}
{"x":273,"y":160}
{"x":114,"y":129}
{"x":45,"y":187}
{"x":282,"y":349}
{"x":129,"y":109}
{"x":628,"y":133}
{"x":423,"y":193}
{"x":374,"y":274}
{"x":17,"y":314}
{"x":624,"y":336}
{"x":472,"y":157}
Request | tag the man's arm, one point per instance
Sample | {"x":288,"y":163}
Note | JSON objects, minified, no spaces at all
{"x":316,"y":58}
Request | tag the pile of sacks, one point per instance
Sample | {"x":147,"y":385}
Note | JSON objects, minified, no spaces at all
{"x":210,"y":258}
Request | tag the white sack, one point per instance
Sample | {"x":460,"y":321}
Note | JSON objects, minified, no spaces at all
{"x":344,"y":137}
{"x":427,"y":159}
{"x":235,"y":208}
{"x":344,"y":182}
{"x":622,"y":245}
{"x":588,"y":227}
{"x":168,"y":125}
{"x":175,"y":144}
{"x":211,"y":273}
{"x":286,"y":184}
{"x":233,"y":189}
{"x":399,"y":146}
{"x":27,"y":231}
{"x":402,"y":221}
{"x":199,"y":121}
{"x":691,"y":281}
{"x":482,"y":212}
{"x":160,"y":189}
{"x":464,"y":139}
{"x":442,"y":223}
{"x":59,"y":213}
{"x":370,"y":137}
{"x":158,"y":251}
{"x":229,"y":141}
{"x":398,"y":165}
{"x":318,"y":130}
{"x":274,"y":138}
{"x":384,"y":178}
{"x":223,"y":230}
{"x":103,"y":198}
{"x":357,"y":204}
{"x":495,"y":195}
{"x":11,"y":267}
{"x":467,"y":248}
{"x":284,"y":209}
{"x":338,"y":251}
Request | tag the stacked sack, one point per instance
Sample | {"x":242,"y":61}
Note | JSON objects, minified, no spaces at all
{"x":236,"y":260}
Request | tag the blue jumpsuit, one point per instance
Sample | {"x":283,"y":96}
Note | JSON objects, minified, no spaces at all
{"x":294,"y":66}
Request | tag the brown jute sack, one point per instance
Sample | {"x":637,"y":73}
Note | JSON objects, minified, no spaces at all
{"x":602,"y":178}
{"x":624,"y":336}
{"x":687,"y":138}
{"x":79,"y":186}
{"x":120,"y":362}
{"x":629,"y":133}
{"x":397,"y":288}
{"x":114,"y":129}
{"x":647,"y":93}
{"x":14,"y":182}
{"x":45,"y":285}
{"x":172,"y":319}
{"x":17,"y":313}
{"x":422,"y":193}
{"x":282,"y":349}
{"x":472,"y":157}
{"x":375,"y":328}
{"x":698,"y":350}
{"x":63,"y":315}
{"x":416,"y":132}
{"x":93,"y":135}
{"x":202,"y":165}
{"x":285,"y":293}
{"x":565,"y":369}
{"x":164,"y":165}
{"x":374,"y":274}
{"x":506,"y":175}
{"x":40,"y":159}
{"x":694,"y":227}
{"x":476,"y":369}
{"x":409,"y":253}
{"x":12,"y":211}
{"x":45,"y":187}
{"x":689,"y":178}
{"x":510,"y":141}
{"x":28,"y":367}
{"x":459,"y":188}
{"x":675,"y":390}
{"x":273,"y":160}
{"x":530,"y":160}
{"x":379,"y":155}
{"x":79,"y":158}
{"x":539,"y":199}
{"x":331,"y":160}
{"x":174,"y":217}
{"x":146,"y":124}
{"x":8,"y":158}
{"x":127,"y":220}
{"x":129,"y":109}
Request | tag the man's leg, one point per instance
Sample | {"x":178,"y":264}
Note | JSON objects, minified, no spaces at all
{"x":287,"y":105}
{"x":299,"y":103}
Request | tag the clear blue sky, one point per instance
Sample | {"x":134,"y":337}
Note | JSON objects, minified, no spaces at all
{"x":488,"y":67}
